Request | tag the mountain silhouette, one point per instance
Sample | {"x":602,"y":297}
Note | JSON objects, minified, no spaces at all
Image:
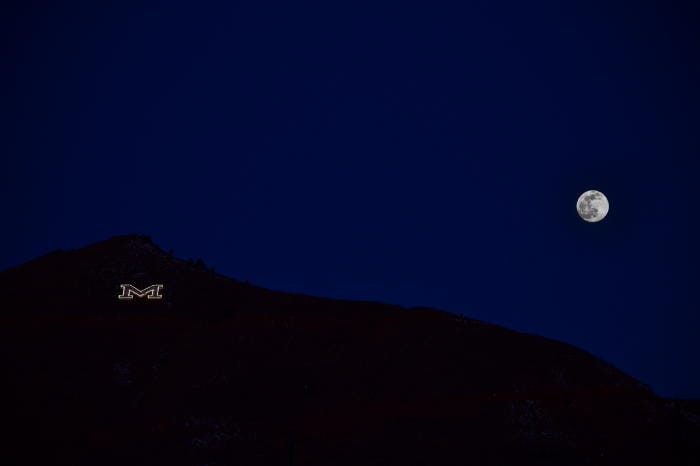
{"x":221,"y":372}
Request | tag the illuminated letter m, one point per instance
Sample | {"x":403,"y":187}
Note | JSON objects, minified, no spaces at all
{"x":150,"y":292}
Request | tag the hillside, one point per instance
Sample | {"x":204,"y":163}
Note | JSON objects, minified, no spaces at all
{"x":221,"y":372}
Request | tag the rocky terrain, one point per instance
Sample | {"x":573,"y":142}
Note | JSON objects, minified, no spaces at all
{"x":220,"y":372}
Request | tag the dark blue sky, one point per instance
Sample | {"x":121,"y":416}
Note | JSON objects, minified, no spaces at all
{"x":419,"y":155}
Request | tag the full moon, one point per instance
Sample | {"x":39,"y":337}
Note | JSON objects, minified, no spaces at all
{"x":592,"y":206}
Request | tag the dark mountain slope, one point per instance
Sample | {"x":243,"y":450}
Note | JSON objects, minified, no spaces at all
{"x":222,"y":372}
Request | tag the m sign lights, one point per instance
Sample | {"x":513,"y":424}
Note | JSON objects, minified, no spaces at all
{"x":150,"y":292}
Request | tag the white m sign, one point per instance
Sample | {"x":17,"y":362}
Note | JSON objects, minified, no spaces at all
{"x":150,"y":292}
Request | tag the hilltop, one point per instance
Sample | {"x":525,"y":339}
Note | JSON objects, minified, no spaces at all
{"x":221,"y":372}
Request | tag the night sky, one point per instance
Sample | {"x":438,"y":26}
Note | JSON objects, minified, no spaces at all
{"x":419,"y":155}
